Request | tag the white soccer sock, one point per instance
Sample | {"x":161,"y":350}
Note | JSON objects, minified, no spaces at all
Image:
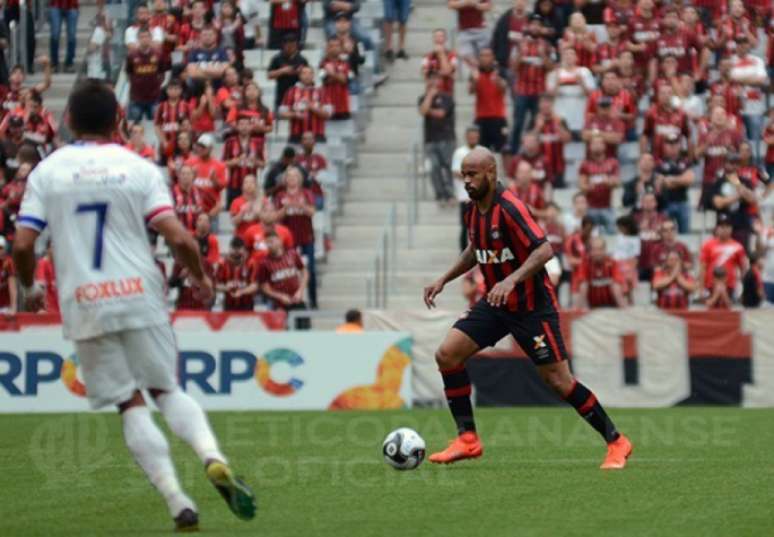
{"x":151,"y":451}
{"x":187,"y":420}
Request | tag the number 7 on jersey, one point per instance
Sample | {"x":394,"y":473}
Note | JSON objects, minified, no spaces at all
{"x":100,"y":209}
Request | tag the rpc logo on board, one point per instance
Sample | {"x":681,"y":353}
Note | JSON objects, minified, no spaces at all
{"x":23,"y":375}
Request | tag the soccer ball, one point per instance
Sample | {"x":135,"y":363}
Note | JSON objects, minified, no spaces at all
{"x":404,"y":449}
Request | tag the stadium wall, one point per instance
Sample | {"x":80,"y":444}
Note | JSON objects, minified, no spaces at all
{"x":640,"y":357}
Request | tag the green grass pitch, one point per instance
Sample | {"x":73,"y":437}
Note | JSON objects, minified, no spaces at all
{"x":694,"y":472}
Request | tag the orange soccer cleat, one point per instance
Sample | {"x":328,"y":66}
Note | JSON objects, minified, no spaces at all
{"x":465,"y":446}
{"x":617,"y":453}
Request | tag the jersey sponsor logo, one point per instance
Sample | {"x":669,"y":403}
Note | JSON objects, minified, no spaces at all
{"x":540,"y":341}
{"x":494,"y":257}
{"x":95,"y":292}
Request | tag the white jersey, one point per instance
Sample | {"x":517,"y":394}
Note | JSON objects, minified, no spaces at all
{"x":98,"y":199}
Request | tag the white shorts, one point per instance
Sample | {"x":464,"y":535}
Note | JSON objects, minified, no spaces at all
{"x":115,"y":365}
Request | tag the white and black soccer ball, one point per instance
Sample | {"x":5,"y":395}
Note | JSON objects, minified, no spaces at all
{"x":404,"y":449}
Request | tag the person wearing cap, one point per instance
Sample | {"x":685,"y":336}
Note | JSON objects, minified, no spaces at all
{"x":722,"y":252}
{"x":750,"y":71}
{"x":732,"y":196}
{"x":530,"y":62}
{"x":8,"y":289}
{"x":674,"y":176}
{"x":210,"y":174}
{"x":623,"y":101}
{"x":284,"y":67}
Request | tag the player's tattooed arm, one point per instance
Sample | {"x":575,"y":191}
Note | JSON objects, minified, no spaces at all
{"x":465,"y":262}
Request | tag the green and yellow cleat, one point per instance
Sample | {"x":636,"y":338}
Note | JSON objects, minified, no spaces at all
{"x":239,"y":497}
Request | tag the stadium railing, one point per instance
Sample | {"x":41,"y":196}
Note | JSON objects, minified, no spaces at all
{"x":382,"y":280}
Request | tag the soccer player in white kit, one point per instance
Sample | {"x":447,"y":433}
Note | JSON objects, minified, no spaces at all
{"x":98,"y":198}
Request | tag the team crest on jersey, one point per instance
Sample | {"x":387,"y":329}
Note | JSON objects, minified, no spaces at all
{"x":494,"y":257}
{"x":495,"y":233}
{"x":540,"y":341}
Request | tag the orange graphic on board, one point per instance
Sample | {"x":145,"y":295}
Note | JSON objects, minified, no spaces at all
{"x":385,"y":392}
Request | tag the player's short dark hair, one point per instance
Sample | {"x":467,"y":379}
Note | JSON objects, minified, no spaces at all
{"x":353,"y":316}
{"x":237,"y":243}
{"x":92,"y":108}
{"x":288,"y":152}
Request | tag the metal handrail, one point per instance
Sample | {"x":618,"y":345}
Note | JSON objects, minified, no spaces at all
{"x":381,"y":282}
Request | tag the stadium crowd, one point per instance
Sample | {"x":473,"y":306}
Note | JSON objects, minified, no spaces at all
{"x":677,"y":80}
{"x":674,"y":86}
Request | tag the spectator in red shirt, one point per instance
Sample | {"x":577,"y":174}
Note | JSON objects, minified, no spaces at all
{"x":649,"y":221}
{"x":664,"y":119}
{"x":285,"y":18}
{"x":722,"y":251}
{"x":8,"y":289}
{"x":732,"y":26}
{"x":599,"y":279}
{"x":472,"y":33}
{"x":255,"y":236}
{"x":532,"y":153}
{"x":713,"y":146}
{"x":188,"y":296}
{"x":138,"y":145}
{"x":644,"y":31}
{"x":208,"y":242}
{"x":335,"y":76}
{"x":189,"y":201}
{"x":236,"y":278}
{"x":605,"y":125}
{"x":45,"y":276}
{"x":609,"y":52}
{"x":598,"y":176}
{"x":243,"y":154}
{"x":768,"y":139}
{"x":531,"y":61}
{"x":668,"y":243}
{"x":552,"y":133}
{"x":490,"y":89}
{"x":210,"y":174}
{"x":12,"y":193}
{"x":282,"y":275}
{"x":579,"y":37}
{"x":169,"y":116}
{"x":182,"y":153}
{"x":309,"y":159}
{"x":673,"y":283}
{"x":251,"y":105}
{"x":63,"y":11}
{"x":145,"y":67}
{"x":528,"y":191}
{"x":39,"y":127}
{"x":623,"y":105}
{"x":575,"y":247}
{"x":441,"y":61}
{"x":201,"y":103}
{"x":249,"y":208}
{"x":295,"y":209}
{"x":306,"y":107}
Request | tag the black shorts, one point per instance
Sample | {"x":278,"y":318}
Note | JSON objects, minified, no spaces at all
{"x":536,"y":332}
{"x":493,"y":133}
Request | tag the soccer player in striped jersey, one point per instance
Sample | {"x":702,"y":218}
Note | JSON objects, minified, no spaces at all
{"x":99,"y":198}
{"x":511,"y":250}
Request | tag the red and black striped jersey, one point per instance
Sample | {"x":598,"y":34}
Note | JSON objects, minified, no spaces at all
{"x":283,"y":273}
{"x":246,"y":150}
{"x":550,"y":136}
{"x":188,"y":205}
{"x":286,"y":16}
{"x":169,"y":116}
{"x":600,"y":277}
{"x":300,"y":98}
{"x":234,"y":278}
{"x":337,"y":92}
{"x":672,"y":297}
{"x":531,"y":71}
{"x":502,"y":239}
